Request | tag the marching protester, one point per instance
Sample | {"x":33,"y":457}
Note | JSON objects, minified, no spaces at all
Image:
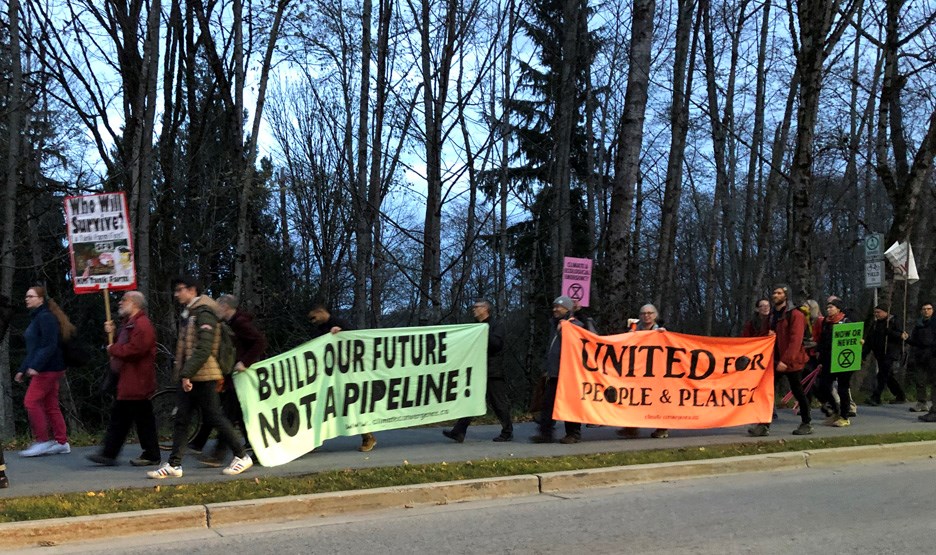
{"x":648,"y":321}
{"x":562,"y":311}
{"x":497,"y":397}
{"x":885,"y":341}
{"x":250,"y":344}
{"x":6,"y":314}
{"x":44,"y":367}
{"x":759,"y":324}
{"x":789,"y":325}
{"x":579,"y":314}
{"x":835,"y":314}
{"x":133,"y":360}
{"x":324,"y":322}
{"x":197,"y":368}
{"x":922,"y":367}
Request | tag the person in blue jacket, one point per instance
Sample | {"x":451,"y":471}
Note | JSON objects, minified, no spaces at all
{"x":44,"y":367}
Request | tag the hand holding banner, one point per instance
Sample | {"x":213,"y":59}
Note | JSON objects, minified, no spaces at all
{"x":652,"y":379}
{"x":362,"y":381}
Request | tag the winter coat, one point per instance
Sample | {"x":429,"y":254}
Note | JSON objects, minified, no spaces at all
{"x":249,"y":342}
{"x":198,"y":342}
{"x":757,"y":326}
{"x":923,"y":338}
{"x":495,"y":349}
{"x":42,"y":336}
{"x":790,"y":325}
{"x":825,"y":341}
{"x":554,"y":352}
{"x":133,"y":356}
{"x":884,"y":340}
{"x":323,"y":328}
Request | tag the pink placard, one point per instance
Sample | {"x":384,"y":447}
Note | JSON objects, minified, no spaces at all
{"x":576,"y":279}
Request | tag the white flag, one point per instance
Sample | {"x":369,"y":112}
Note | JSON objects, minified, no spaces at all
{"x":900,"y":256}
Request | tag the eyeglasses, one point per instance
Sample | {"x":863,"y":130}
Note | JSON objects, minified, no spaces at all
{"x":646,"y":313}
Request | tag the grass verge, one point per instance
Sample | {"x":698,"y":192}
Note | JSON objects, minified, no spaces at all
{"x":180,"y":495}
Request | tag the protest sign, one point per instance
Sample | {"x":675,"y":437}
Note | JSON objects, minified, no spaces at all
{"x":653,"y":379}
{"x":362,"y":381}
{"x":100,"y":243}
{"x":846,"y":347}
{"x":900,"y":255}
{"x":576,"y":279}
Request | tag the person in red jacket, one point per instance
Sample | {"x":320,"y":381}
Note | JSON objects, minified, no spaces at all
{"x":759,"y":324}
{"x":133,"y":359}
{"x":789,"y":325}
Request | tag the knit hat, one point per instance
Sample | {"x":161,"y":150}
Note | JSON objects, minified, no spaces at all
{"x":564,"y":302}
{"x":883,"y":307}
{"x":837,"y":303}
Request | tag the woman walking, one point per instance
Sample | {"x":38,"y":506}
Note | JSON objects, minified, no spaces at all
{"x":44,"y":368}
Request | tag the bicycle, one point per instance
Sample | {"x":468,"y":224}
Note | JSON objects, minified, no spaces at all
{"x":165,"y":408}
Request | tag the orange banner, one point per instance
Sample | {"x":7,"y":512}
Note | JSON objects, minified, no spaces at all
{"x":654,"y":379}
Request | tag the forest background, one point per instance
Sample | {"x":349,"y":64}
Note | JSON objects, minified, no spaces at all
{"x":401,"y":158}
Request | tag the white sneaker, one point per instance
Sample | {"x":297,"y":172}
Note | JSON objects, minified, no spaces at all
{"x":37,"y":449}
{"x":166,"y":471}
{"x":58,"y":448}
{"x":238,"y":465}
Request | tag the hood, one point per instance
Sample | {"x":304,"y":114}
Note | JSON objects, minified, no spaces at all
{"x":205,"y":301}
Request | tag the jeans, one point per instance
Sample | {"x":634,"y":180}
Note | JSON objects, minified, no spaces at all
{"x":42,"y":406}
{"x":204,"y":395}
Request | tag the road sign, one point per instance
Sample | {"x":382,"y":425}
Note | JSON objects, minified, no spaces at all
{"x":874,"y":247}
{"x":874,"y":274}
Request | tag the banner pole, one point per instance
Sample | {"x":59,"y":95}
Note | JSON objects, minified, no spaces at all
{"x":107,"y":312}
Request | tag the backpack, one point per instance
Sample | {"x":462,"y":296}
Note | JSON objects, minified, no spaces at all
{"x":226,"y":354}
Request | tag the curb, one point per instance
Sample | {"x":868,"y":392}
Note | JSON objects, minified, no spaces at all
{"x":573,"y":480}
{"x":341,"y":502}
{"x":63,"y":530}
{"x":57,"y":531}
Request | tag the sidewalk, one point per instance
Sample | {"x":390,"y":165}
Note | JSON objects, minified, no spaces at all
{"x":73,"y":473}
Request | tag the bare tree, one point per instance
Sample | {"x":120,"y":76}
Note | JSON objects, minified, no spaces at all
{"x":627,"y":163}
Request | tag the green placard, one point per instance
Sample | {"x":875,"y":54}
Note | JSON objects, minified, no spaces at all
{"x":361,"y":381}
{"x":846,"y":346}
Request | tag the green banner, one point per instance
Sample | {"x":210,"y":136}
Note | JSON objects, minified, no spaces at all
{"x":846,"y":347}
{"x":361,"y":381}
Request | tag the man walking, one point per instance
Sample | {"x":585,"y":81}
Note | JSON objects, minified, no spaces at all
{"x":885,"y":342}
{"x":496,"y":383}
{"x":249,"y":345}
{"x":789,"y":325}
{"x":562,"y":311}
{"x":922,"y":369}
{"x":196,"y":365}
{"x":133,"y":361}
{"x":323,"y":322}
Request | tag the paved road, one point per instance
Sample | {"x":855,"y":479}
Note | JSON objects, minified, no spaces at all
{"x":865,"y":508}
{"x":72,"y":473}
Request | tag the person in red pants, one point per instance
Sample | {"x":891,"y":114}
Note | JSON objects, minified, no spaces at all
{"x":44,"y":367}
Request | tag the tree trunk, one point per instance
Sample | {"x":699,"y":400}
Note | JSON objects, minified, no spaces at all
{"x":243,"y":270}
{"x":627,"y":164}
{"x":679,"y":127}
{"x":16,"y":104}
{"x":362,"y":228}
